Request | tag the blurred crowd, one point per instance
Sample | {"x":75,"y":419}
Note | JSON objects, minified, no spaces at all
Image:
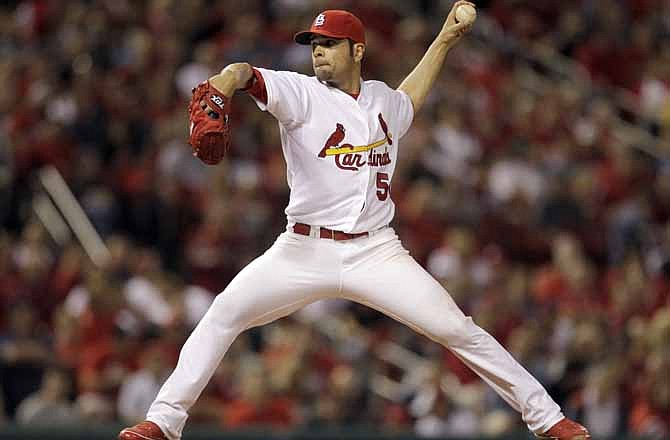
{"x":544,"y":225}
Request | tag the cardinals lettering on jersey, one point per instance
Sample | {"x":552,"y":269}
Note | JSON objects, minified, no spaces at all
{"x":349,"y":157}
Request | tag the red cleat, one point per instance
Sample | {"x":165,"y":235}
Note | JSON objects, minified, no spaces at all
{"x":566,"y":429}
{"x":143,"y":431}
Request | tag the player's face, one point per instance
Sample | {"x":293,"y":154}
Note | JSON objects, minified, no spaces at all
{"x":331,"y":58}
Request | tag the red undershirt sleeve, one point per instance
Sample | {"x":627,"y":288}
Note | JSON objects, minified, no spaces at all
{"x":256,"y":87}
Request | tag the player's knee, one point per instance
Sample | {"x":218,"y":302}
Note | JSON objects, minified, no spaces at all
{"x":460,"y":334}
{"x":226,"y":314}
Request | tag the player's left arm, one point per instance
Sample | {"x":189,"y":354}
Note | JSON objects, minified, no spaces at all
{"x":419,"y":82}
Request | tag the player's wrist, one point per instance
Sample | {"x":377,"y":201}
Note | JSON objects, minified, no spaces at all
{"x":447,"y":39}
{"x":224,"y":84}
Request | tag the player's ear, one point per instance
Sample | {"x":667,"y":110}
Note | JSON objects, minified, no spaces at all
{"x":359,"y":51}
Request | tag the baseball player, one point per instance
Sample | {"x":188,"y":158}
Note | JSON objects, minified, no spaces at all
{"x":340,"y":137}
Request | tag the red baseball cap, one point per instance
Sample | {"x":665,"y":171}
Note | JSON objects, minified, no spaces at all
{"x":334,"y":24}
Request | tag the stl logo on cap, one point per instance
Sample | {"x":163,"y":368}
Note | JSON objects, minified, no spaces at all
{"x":333,"y":24}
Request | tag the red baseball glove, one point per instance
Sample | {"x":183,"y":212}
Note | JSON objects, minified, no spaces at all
{"x":209,"y":114}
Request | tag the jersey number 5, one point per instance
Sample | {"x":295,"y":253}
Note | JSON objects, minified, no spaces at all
{"x":383,"y":187}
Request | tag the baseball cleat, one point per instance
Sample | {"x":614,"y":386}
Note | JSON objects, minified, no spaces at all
{"x":143,"y":431}
{"x":566,"y":429}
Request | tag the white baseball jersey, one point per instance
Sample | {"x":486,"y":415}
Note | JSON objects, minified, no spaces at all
{"x":340,"y":151}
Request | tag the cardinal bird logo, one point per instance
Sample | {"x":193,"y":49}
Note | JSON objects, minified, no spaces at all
{"x":334,"y":139}
{"x":385,"y":129}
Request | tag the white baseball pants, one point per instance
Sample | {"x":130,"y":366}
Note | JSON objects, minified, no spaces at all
{"x":376,"y":271}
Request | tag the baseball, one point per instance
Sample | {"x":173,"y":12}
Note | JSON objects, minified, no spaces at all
{"x":466,"y":14}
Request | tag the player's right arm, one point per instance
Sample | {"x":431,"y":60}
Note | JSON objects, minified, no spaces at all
{"x":233,"y":77}
{"x":283,"y":94}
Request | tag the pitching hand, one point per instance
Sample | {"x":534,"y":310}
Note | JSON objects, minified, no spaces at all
{"x":452,"y":30}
